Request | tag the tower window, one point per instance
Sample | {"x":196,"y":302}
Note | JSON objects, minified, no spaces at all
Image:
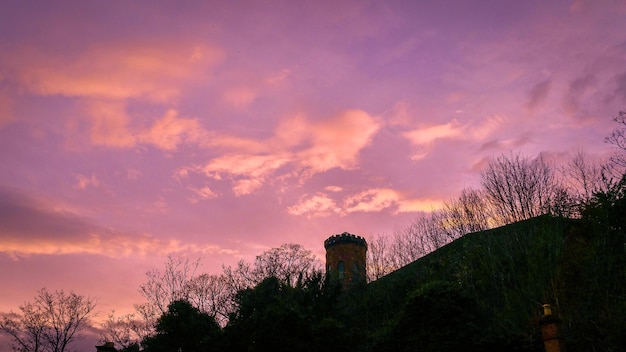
{"x":340,"y":270}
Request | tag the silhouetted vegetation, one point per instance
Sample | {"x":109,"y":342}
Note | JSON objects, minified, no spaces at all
{"x":481,"y":292}
{"x":450,"y":282}
{"x":184,"y":328}
{"x":431,"y":320}
{"x":52,"y":322}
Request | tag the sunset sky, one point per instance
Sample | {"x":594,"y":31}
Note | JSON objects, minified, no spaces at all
{"x":134,"y":130}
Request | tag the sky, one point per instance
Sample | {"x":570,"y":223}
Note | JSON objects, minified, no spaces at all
{"x":134,"y":130}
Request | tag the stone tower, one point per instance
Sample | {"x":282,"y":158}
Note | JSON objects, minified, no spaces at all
{"x":345,"y":259}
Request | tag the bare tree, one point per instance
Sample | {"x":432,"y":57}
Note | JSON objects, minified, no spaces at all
{"x":464,"y":214}
{"x":288,"y":263}
{"x":161,"y":289}
{"x":239,"y":277}
{"x":379,"y":261}
{"x":431,"y":233}
{"x":585,"y":176}
{"x":51,"y":323}
{"x":518,"y":188}
{"x":618,"y":136}
{"x":618,"y":161}
{"x":165,"y":287}
{"x":124,"y":331}
{"x":421,"y":237}
{"x":209,"y":293}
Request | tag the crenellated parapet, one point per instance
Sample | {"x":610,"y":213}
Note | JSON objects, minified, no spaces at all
{"x":344,"y":238}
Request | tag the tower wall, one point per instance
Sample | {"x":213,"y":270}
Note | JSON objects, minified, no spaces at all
{"x":346,"y":259}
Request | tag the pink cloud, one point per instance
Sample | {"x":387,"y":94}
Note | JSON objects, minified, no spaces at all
{"x":338,"y":141}
{"x":30,"y":227}
{"x":373,"y":200}
{"x":292,"y":132}
{"x":299,"y":148}
{"x":86,"y":181}
{"x":317,"y":205}
{"x":202,"y":193}
{"x":429,"y":134}
{"x":423,"y":138}
{"x":379,"y":199}
{"x":110,"y":125}
{"x":171,"y":131}
{"x":418,"y":205}
{"x":249,"y":172}
{"x":95,"y":244}
{"x":115,"y":70}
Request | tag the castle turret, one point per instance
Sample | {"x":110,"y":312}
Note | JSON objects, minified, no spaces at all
{"x":345,"y":259}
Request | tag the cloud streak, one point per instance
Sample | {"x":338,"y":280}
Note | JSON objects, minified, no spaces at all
{"x":424,"y":138}
{"x":31,"y":227}
{"x":117,"y":70}
{"x":374,"y":200}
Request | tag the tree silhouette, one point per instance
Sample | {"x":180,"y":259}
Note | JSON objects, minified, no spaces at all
{"x":51,"y":323}
{"x":618,"y":136}
{"x":519,"y":188}
{"x":184,"y":328}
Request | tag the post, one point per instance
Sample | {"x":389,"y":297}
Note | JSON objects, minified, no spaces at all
{"x":552,"y":341}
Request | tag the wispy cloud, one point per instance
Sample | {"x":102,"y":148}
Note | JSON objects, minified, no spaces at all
{"x":372,"y":200}
{"x":538,"y":94}
{"x":111,"y":126}
{"x":429,"y":134}
{"x":171,"y":131}
{"x":202,"y":193}
{"x":117,"y":70}
{"x":337,"y":142}
{"x":423,"y":138}
{"x":86,"y":181}
{"x":246,"y":172}
{"x":317,"y":205}
{"x":31,"y":227}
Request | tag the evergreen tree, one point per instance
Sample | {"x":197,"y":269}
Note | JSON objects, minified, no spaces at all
{"x":184,"y":328}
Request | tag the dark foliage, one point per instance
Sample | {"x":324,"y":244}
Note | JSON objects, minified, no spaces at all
{"x":184,"y":328}
{"x":594,"y":275}
{"x":274,"y":316}
{"x":439,"y":316}
{"x":482,"y":292}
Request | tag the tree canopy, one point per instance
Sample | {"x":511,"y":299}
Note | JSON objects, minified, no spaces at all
{"x":184,"y":328}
